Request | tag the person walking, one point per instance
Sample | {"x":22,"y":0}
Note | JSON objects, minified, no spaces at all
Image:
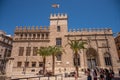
{"x":88,"y":74}
{"x":75,"y":75}
{"x":101,"y":74}
{"x":94,"y":75}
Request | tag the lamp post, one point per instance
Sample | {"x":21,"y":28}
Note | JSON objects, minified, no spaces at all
{"x":90,"y":55}
{"x":24,"y":68}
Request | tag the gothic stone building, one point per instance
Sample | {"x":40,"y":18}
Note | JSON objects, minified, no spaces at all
{"x":5,"y":51}
{"x":117,"y":42}
{"x":101,"y":51}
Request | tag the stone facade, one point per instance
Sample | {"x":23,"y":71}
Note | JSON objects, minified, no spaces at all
{"x":101,"y":50}
{"x":117,"y":42}
{"x":5,"y":51}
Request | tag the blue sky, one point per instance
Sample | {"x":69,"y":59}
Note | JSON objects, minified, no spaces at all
{"x":82,"y":13}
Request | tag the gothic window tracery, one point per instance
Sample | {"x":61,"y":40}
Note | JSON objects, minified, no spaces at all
{"x":107,"y":59}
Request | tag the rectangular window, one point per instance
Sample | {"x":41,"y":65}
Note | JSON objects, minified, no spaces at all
{"x":42,"y":37}
{"x":33,"y":64}
{"x":40,"y":64}
{"x":5,"y":54}
{"x":34,"y":36}
{"x":26,"y":64}
{"x":21,"y":51}
{"x":58,"y":28}
{"x":107,"y":61}
{"x":35,"y":51}
{"x":76,"y":61}
{"x":59,"y":57}
{"x":19,"y":64}
{"x":9,"y":53}
{"x":58,"y":41}
{"x":38,"y":35}
{"x":47,"y":36}
{"x":28,"y":50}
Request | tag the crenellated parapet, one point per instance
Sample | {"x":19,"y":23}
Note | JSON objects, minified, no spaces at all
{"x":32,"y":29}
{"x":58,"y":16}
{"x":31,"y":33}
{"x":91,"y":30}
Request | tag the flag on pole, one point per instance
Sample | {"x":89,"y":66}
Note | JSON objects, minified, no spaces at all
{"x":55,"y":5}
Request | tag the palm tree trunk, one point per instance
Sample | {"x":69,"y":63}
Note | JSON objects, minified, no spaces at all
{"x":44,"y":61}
{"x":77,"y":70}
{"x":76,"y":66}
{"x":84,"y":59}
{"x":53,"y":66}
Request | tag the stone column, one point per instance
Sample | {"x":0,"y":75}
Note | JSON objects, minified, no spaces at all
{"x":101,"y":58}
{"x":9,"y":66}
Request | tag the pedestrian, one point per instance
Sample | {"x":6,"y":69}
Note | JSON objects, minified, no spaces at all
{"x":88,"y":75}
{"x":107,"y":74}
{"x":111,"y":74}
{"x":75,"y":75}
{"x":94,"y":75}
{"x":119,"y":72}
{"x":101,"y":74}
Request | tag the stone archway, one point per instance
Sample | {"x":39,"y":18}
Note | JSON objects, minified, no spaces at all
{"x":92,"y":57}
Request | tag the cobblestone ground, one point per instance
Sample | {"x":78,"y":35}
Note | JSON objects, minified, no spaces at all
{"x":83,"y":77}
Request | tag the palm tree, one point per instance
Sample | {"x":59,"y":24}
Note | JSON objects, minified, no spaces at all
{"x":44,"y":51}
{"x":54,"y":50}
{"x":76,"y":46}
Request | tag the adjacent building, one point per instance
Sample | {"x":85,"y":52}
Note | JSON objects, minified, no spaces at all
{"x":101,"y":50}
{"x":5,"y":50}
{"x":117,"y":42}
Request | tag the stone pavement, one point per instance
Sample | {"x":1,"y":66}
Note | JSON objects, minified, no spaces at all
{"x":82,"y":77}
{"x":60,"y":77}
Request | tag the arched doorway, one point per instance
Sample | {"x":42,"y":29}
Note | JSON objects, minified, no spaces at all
{"x":91,"y":55}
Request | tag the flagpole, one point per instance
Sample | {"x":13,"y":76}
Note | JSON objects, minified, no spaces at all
{"x":55,"y":6}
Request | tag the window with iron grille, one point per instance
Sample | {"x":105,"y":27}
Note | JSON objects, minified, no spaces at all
{"x":58,"y":28}
{"x":26,"y":64}
{"x":21,"y":51}
{"x":58,"y":41}
{"x":19,"y":64}
{"x":59,"y":57}
{"x":35,"y":51}
{"x":107,"y":59}
{"x":28,"y":50}
{"x":33,"y":64}
{"x":40,"y":64}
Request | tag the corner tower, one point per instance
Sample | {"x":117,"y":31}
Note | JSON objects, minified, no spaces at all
{"x":58,"y":27}
{"x":59,"y":22}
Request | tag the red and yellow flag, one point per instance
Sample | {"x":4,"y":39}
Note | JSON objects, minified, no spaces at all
{"x":55,"y":5}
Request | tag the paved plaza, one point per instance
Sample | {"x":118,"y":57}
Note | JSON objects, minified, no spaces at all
{"x":83,"y":77}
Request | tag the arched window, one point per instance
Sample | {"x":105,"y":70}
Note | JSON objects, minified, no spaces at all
{"x":107,"y":59}
{"x":76,"y":60}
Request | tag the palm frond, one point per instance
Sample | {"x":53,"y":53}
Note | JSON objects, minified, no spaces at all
{"x":43,"y":51}
{"x":76,"y":45}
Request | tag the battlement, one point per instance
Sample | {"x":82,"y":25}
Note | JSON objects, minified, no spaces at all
{"x":58,"y":16}
{"x":31,"y":29}
{"x":91,"y":30}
